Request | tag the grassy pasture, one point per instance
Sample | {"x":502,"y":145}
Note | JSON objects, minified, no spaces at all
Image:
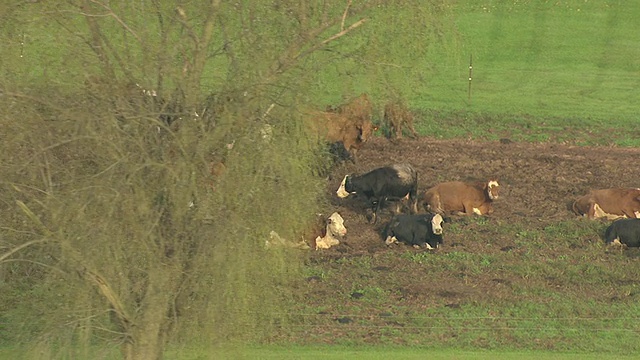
{"x":339,"y":352}
{"x":562,"y":71}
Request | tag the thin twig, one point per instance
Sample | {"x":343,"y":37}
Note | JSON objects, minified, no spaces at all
{"x":113,"y":15}
{"x":20,"y":247}
{"x":331,"y":38}
{"x":344,"y":15}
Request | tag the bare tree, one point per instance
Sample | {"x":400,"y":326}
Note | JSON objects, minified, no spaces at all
{"x":109,"y":190}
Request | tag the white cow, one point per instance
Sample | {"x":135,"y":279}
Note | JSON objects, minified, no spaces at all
{"x":333,"y":230}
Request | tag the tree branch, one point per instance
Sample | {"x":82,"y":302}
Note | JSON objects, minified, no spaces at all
{"x":112,"y":14}
{"x":111,"y":297}
{"x":344,"y":15}
{"x":330,"y":39}
{"x":4,"y":256}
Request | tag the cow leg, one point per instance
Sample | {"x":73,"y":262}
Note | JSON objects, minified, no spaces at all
{"x":399,"y":132}
{"x":413,"y":131}
{"x":376,"y":207}
{"x":398,"y":204}
{"x":630,"y":213}
{"x":468,"y":209}
{"x":591,"y":214}
{"x":353,"y":156}
{"x":413,"y":200}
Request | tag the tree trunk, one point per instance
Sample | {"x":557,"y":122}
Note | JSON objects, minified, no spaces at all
{"x":148,"y":334}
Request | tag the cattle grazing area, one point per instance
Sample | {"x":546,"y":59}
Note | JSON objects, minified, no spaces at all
{"x":532,"y":274}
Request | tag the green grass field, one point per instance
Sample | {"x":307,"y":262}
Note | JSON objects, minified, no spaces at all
{"x":562,"y":71}
{"x":343,"y":353}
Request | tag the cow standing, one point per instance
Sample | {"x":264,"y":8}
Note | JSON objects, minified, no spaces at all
{"x":394,"y":182}
{"x":460,"y":198}
{"x":396,"y":114}
{"x":420,"y":230}
{"x":358,"y":108}
{"x":352,"y":132}
{"x":623,"y":232}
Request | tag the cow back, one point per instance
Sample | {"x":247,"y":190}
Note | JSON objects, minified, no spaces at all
{"x":453,"y":196}
{"x":609,"y":203}
{"x":358,"y":109}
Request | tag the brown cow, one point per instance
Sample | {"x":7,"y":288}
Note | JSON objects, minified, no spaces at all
{"x":609,"y":203}
{"x":335,"y":127}
{"x":396,"y":114}
{"x":460,"y":198}
{"x":357,"y":109}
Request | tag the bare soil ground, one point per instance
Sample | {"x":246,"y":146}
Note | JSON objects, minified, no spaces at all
{"x":538,"y":184}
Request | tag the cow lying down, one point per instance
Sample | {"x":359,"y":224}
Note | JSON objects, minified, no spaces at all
{"x":421,"y":230}
{"x":461,"y":198}
{"x":329,"y":233}
{"x":609,"y":203}
{"x":623,"y":232}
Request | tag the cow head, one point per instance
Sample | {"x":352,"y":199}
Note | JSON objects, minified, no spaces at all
{"x":390,"y":240}
{"x":493,"y":189}
{"x":436,"y":224}
{"x":335,"y":225}
{"x":344,"y":185}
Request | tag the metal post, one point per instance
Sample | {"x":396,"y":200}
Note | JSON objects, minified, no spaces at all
{"x":470,"y":73}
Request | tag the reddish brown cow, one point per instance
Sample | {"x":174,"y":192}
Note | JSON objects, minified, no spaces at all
{"x":609,"y":203}
{"x":460,"y":198}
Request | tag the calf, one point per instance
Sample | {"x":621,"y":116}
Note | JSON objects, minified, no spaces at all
{"x":396,"y":115}
{"x":421,"y":230}
{"x":609,"y":203}
{"x":460,"y":198}
{"x":394,"y":182}
{"x":331,"y":230}
{"x":623,"y":232}
{"x":339,"y":153}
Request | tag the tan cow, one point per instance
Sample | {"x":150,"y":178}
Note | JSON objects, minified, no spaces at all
{"x":357,"y":109}
{"x":461,"y":198}
{"x":609,"y":203}
{"x":396,"y":114}
{"x":334,"y":127}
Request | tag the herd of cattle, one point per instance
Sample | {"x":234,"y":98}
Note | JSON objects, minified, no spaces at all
{"x":418,"y":217}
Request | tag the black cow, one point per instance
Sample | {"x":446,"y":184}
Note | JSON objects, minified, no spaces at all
{"x":625,"y":232}
{"x":421,"y":230}
{"x":394,"y":182}
{"x":339,"y":153}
